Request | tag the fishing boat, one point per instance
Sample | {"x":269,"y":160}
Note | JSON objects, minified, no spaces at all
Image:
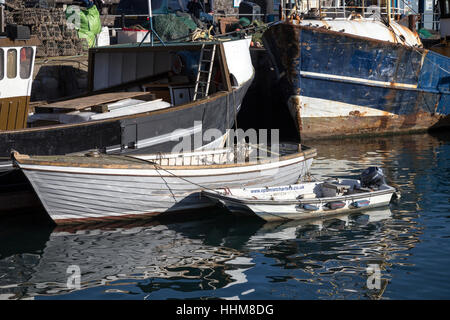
{"x":307,"y":200}
{"x":99,"y":187}
{"x":342,"y":73}
{"x":142,"y":98}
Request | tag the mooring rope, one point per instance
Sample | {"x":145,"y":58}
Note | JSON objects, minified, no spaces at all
{"x":167,"y":185}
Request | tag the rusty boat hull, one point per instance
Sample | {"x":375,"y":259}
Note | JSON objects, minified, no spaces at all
{"x":339,"y":84}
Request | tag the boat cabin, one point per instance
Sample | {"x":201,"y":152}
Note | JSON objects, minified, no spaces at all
{"x":16,"y":76}
{"x":127,"y":79}
{"x":169,"y":71}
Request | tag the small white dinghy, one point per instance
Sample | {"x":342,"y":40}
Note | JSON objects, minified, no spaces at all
{"x":308,"y":200}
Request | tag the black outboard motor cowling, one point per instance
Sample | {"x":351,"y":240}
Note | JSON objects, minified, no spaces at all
{"x":372,"y":177}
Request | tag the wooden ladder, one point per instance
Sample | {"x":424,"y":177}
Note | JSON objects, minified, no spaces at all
{"x":204,"y":72}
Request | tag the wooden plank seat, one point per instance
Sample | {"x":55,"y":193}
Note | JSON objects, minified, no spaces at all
{"x":95,"y":100}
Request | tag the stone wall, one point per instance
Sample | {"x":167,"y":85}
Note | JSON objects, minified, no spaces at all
{"x":224,"y":5}
{"x":49,"y":25}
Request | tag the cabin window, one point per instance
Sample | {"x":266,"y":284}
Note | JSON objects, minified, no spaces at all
{"x":11,"y":68}
{"x":445,"y":9}
{"x":2,"y":64}
{"x":26,"y":55}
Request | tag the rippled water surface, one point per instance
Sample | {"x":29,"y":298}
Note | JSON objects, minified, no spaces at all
{"x":223,"y":257}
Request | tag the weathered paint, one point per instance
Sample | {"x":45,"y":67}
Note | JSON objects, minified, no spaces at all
{"x":368,"y":28}
{"x":323,"y":127}
{"x":331,"y":78}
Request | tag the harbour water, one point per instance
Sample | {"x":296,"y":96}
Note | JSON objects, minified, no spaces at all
{"x":217,"y":256}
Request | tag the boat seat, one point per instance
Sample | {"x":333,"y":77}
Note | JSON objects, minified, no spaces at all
{"x":307,"y":196}
{"x":361,"y":190}
{"x":145,"y":106}
{"x":83,"y":103}
{"x":334,"y":189}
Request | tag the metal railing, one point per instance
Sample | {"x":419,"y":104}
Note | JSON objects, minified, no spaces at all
{"x":342,"y":8}
{"x":430,"y":20}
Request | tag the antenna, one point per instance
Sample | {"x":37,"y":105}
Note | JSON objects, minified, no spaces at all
{"x":151,"y":31}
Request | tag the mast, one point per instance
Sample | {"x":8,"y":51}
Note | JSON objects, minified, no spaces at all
{"x":150,"y":18}
{"x":151,"y":31}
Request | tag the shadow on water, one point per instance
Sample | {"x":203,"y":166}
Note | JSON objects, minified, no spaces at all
{"x":220,"y":256}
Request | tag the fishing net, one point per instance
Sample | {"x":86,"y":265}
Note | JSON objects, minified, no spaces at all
{"x":173,"y":26}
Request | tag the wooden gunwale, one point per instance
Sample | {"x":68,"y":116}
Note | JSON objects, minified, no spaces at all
{"x":147,"y":47}
{"x":24,"y":159}
{"x":299,"y":201}
{"x":7,"y":42}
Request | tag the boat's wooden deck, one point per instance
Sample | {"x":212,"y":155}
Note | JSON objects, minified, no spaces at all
{"x":83,"y":160}
{"x":92,"y":101}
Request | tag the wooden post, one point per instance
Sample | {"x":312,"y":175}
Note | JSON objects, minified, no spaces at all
{"x":421,"y":13}
{"x":412,"y":22}
{"x":320,"y":9}
{"x":388,"y":5}
{"x":2,"y":16}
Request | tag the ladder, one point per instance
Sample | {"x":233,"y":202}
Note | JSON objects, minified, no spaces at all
{"x":205,"y":66}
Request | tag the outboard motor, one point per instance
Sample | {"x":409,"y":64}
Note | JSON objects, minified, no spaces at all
{"x":372,"y":177}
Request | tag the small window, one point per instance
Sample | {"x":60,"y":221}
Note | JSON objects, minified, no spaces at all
{"x":26,"y":56}
{"x":2,"y":64}
{"x":11,"y":71}
{"x":445,"y":9}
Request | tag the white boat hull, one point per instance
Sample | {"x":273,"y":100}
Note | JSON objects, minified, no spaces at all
{"x":292,"y":212}
{"x":81,"y":194}
{"x":286,"y":202}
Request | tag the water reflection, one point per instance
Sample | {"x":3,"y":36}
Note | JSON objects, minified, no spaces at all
{"x":107,"y":255}
{"x":195,"y":259}
{"x":231,"y":258}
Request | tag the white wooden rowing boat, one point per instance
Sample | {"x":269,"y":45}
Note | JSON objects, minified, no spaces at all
{"x":80,"y":188}
{"x":303,"y":201}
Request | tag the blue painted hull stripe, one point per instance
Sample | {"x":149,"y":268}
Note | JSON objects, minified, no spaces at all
{"x":400,"y":102}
